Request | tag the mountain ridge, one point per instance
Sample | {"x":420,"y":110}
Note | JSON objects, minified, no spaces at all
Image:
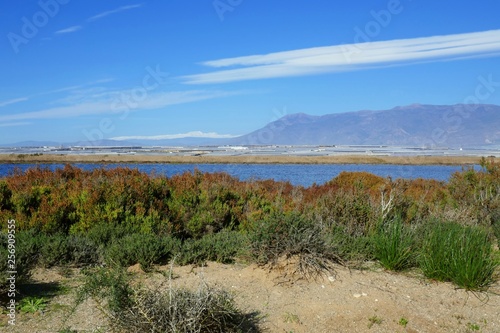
{"x":424,"y":125}
{"x":421,"y":125}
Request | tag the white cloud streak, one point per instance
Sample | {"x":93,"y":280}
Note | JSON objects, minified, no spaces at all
{"x":69,"y":30}
{"x":55,"y":91}
{"x":113,"y":106}
{"x":75,"y":87}
{"x":194,"y":134}
{"x":13,"y":101}
{"x":15,"y":124}
{"x":97,"y":17}
{"x":349,"y":57}
{"x":114,"y":11}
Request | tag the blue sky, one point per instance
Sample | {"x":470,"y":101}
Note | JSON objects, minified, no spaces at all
{"x":74,"y":70}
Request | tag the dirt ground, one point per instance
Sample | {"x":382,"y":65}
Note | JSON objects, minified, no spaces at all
{"x":369,"y":300}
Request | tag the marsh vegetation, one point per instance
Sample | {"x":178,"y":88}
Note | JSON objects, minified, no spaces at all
{"x":106,"y":220}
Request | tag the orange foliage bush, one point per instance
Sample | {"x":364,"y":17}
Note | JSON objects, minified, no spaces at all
{"x":72,"y":200}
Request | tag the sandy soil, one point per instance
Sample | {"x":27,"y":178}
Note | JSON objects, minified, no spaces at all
{"x":340,"y":159}
{"x":370,"y":300}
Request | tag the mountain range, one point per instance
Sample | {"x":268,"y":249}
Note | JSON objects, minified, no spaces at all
{"x":460,"y":125}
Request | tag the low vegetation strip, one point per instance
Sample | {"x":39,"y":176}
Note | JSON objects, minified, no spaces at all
{"x":119,"y":217}
{"x":248,"y":158}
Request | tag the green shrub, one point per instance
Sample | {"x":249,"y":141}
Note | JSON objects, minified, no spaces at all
{"x":103,"y":234}
{"x":394,"y":245}
{"x":54,"y":250}
{"x":5,"y":196}
{"x":119,"y":254}
{"x":478,"y":191}
{"x":27,"y":247}
{"x":4,"y":264}
{"x":353,"y":249}
{"x":83,"y":251}
{"x":351,"y":209}
{"x":462,"y":255}
{"x":155,"y":250}
{"x":62,"y":250}
{"x":146,"y":250}
{"x":221,"y":247}
{"x":110,"y":288}
{"x":496,"y":226}
{"x":291,"y":235}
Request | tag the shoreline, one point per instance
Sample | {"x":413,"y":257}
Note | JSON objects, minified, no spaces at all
{"x":240,"y":159}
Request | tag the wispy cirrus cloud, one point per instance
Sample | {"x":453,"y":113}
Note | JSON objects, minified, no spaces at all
{"x":68,"y":30}
{"x":13,"y":101}
{"x":72,"y":90}
{"x":24,"y":123}
{"x":113,"y":11}
{"x":97,"y":17}
{"x":75,"y":87}
{"x":193,"y":134}
{"x":350,"y":57}
{"x":109,"y":103}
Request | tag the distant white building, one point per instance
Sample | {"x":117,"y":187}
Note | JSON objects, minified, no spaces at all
{"x":235,"y":147}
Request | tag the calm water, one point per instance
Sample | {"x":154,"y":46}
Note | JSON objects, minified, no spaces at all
{"x":297,"y":174}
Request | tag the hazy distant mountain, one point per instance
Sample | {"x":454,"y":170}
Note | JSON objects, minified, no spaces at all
{"x":97,"y":143}
{"x":187,"y":141}
{"x":414,"y":125}
{"x":104,"y":143}
{"x":33,"y":144}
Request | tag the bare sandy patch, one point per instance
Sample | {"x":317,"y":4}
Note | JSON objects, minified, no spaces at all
{"x":369,"y":300}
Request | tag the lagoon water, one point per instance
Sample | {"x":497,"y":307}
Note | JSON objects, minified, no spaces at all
{"x":296,"y":174}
